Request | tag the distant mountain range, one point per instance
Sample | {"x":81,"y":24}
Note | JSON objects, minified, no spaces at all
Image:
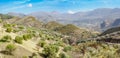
{"x":90,"y":19}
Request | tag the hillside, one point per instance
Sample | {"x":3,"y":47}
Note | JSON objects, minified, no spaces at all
{"x":69,"y":29}
{"x":52,"y":25}
{"x":72,"y":30}
{"x":26,"y":21}
{"x":21,"y":41}
{"x":24,"y":39}
{"x":111,"y":30}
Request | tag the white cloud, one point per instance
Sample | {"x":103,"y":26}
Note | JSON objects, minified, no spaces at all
{"x":71,"y":12}
{"x":30,"y":5}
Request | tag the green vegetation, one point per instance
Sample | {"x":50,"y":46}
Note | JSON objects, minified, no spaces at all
{"x":27,"y":36}
{"x":21,"y":27}
{"x":70,"y":42}
{"x":7,"y":25}
{"x":15,"y":30}
{"x":10,"y":48}
{"x":19,"y":39}
{"x":97,"y":50}
{"x":67,"y":48}
{"x":9,"y":29}
{"x":41,"y":43}
{"x":63,"y":55}
{"x":1,"y":20}
{"x":50,"y":51}
{"x":6,"y":38}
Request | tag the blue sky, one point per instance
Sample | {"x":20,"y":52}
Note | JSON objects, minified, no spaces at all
{"x":71,"y":6}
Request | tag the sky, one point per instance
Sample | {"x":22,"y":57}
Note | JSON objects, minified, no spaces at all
{"x":70,"y":6}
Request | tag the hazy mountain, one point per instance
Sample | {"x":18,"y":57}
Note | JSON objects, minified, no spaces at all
{"x":105,"y":25}
{"x":5,"y":16}
{"x":83,"y":19}
{"x":16,"y":14}
{"x":116,"y":23}
{"x":89,"y":19}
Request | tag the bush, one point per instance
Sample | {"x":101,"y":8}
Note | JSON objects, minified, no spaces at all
{"x":60,"y":43}
{"x":13,"y":25}
{"x":1,"y":20}
{"x":68,"y":48}
{"x":30,"y":36}
{"x":18,"y":39}
{"x":25,"y":37}
{"x":10,"y":48}
{"x":63,"y":55}
{"x":21,"y":27}
{"x":7,"y":25}
{"x":42,"y":35}
{"x":6,"y":38}
{"x":41,"y":43}
{"x":15,"y":30}
{"x":50,"y":51}
{"x":9,"y":29}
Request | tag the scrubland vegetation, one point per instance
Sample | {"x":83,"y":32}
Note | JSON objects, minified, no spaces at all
{"x":67,"y":41}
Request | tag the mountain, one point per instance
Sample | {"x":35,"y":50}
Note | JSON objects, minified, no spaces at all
{"x":83,"y":19}
{"x":115,"y":23}
{"x":93,"y":18}
{"x":16,"y":14}
{"x":5,"y":16}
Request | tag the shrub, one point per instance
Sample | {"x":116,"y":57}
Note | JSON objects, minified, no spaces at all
{"x":7,"y":25}
{"x":18,"y":39}
{"x":67,"y":48}
{"x":42,"y":43}
{"x":28,"y":36}
{"x":6,"y":38}
{"x":13,"y":25}
{"x":21,"y":27}
{"x":42,"y":35}
{"x":9,"y":29}
{"x":50,"y":51}
{"x":10,"y":48}
{"x":1,"y":20}
{"x":25,"y":37}
{"x":15,"y":30}
{"x":59,"y":43}
{"x":63,"y":55}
